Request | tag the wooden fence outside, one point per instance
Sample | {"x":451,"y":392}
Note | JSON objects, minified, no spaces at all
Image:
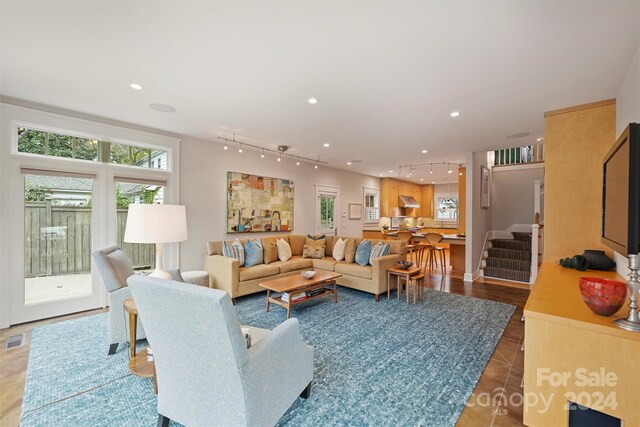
{"x":58,"y":240}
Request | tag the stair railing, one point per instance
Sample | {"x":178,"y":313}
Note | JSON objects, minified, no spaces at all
{"x":536,"y":246}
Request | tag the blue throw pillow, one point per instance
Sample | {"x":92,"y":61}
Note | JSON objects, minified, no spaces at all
{"x":363,"y":253}
{"x":234,"y":250}
{"x":380,"y":249}
{"x":253,"y":253}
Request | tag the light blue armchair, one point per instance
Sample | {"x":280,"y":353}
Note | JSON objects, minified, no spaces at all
{"x":115,"y":268}
{"x":205,"y":373}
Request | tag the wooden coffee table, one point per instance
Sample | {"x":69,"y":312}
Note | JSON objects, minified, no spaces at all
{"x":298,"y":283}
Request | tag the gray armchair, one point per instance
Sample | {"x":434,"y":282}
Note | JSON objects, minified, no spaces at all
{"x":205,"y":373}
{"x":115,"y":268}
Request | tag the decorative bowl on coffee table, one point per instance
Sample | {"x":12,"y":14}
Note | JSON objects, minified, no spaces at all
{"x":308,"y":274}
{"x":603,"y":296}
{"x":404,"y":264}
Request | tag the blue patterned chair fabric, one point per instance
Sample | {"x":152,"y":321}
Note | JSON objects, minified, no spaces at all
{"x":205,"y":373}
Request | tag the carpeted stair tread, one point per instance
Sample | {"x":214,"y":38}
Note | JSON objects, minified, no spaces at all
{"x":511,"y":244}
{"x":502,"y":273}
{"x":511,"y":264}
{"x":509,"y":254}
{"x":524,"y":236}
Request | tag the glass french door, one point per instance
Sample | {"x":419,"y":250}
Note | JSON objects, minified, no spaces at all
{"x":130,"y":191}
{"x":57,"y":237}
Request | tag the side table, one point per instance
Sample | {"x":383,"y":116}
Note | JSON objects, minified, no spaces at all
{"x":401,"y":274}
{"x":138,"y":362}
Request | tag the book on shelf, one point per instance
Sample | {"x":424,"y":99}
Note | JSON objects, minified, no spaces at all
{"x":295,"y":297}
{"x":314,"y":292}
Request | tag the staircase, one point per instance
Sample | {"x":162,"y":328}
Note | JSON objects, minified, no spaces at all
{"x":509,"y":259}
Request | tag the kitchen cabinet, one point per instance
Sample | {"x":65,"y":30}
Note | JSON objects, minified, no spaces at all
{"x":391,"y":188}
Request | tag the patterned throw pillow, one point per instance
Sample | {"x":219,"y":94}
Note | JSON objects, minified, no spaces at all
{"x":234,"y":250}
{"x":253,"y":253}
{"x":316,"y":252}
{"x":339,"y":248}
{"x":284,"y":250}
{"x":380,"y":249}
{"x":363,"y":253}
{"x":319,"y":240}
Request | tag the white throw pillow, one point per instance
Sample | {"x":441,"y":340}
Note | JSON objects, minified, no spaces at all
{"x":284,"y":250}
{"x":339,"y":248}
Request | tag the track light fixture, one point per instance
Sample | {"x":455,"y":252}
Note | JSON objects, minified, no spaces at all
{"x":279,"y":151}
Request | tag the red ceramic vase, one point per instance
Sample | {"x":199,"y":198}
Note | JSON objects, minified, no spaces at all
{"x":603,"y":296}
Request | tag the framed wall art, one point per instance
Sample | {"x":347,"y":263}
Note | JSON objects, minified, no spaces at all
{"x":258,"y":203}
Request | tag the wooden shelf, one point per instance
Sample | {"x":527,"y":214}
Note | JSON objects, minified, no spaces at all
{"x":278,"y":299}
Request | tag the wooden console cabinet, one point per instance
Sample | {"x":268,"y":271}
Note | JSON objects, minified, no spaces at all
{"x":572,"y":354}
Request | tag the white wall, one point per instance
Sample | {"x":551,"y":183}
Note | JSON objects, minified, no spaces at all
{"x":203,"y":191}
{"x":478,"y":219}
{"x":627,"y":111}
{"x":512,"y":194}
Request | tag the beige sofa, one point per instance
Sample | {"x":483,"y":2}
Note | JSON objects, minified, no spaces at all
{"x":224,"y":273}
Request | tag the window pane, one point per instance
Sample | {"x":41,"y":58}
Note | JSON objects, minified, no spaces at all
{"x":57,"y":232}
{"x":31,"y":141}
{"x":141,"y":255}
{"x":85,"y":149}
{"x":137,"y":156}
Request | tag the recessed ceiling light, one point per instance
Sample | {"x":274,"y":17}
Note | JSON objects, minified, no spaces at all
{"x":163,"y":108}
{"x":279,"y":159}
{"x":421,"y":179}
{"x":315,"y":166}
{"x":312,"y":100}
{"x":297,"y":163}
{"x":349,"y":163}
{"x":460,"y":173}
{"x":433,"y":182}
{"x":390,"y":171}
{"x":381,"y":174}
{"x":455,"y":113}
{"x":408,"y":176}
{"x":539,"y":139}
{"x":425,"y":151}
{"x":326,"y":145}
{"x":135,"y":86}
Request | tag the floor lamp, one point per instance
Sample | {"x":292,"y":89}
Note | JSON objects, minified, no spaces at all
{"x":157,"y":224}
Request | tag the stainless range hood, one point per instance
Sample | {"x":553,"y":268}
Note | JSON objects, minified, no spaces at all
{"x":408,"y":202}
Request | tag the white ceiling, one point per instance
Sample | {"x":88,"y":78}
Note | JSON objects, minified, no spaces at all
{"x":386,"y":74}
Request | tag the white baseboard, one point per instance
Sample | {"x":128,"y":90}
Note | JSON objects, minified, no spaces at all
{"x":471,"y":277}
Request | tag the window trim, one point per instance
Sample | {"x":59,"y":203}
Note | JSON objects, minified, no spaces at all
{"x":437,"y":207}
{"x":328,"y":191}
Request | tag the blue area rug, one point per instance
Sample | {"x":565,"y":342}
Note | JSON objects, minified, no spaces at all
{"x":385,"y":363}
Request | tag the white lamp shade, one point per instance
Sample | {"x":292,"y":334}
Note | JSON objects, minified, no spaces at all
{"x":156,"y":224}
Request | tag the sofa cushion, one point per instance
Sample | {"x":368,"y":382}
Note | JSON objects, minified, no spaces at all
{"x":253,"y":253}
{"x":329,"y":240}
{"x":293,"y":264}
{"x":270,"y":250}
{"x":284,"y":250}
{"x":316,"y":252}
{"x":327,"y":264}
{"x":363,"y":252}
{"x":338,"y":249}
{"x":378,"y":250}
{"x":296,"y":242}
{"x":365,"y":272}
{"x":350,"y":251}
{"x":234,"y":250}
{"x":258,"y":272}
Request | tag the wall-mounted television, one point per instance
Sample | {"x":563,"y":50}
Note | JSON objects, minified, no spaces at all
{"x":621,"y":193}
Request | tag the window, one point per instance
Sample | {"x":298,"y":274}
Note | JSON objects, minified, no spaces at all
{"x":371,"y":206}
{"x":327,"y":211}
{"x":327,"y":205}
{"x":447,"y":208}
{"x":45,"y":143}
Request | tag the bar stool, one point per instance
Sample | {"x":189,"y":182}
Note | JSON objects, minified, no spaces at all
{"x":436,"y":253}
{"x":422,"y":254}
{"x":405,"y":236}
